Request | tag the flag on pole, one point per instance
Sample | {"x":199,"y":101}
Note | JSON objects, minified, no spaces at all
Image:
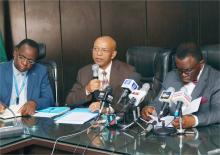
{"x":3,"y":56}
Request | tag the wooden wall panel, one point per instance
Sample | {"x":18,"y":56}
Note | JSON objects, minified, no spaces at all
{"x":1,"y":17}
{"x":124,"y":21}
{"x":80,"y":26}
{"x":43,"y":25}
{"x":171,"y":22}
{"x":17,"y":20}
{"x":209,"y":22}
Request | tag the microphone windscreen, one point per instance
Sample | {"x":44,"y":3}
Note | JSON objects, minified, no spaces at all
{"x":145,"y":87}
{"x":95,"y":70}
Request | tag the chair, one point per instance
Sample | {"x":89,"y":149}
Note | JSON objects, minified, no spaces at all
{"x":153,"y":63}
{"x":211,"y":54}
{"x":52,"y":70}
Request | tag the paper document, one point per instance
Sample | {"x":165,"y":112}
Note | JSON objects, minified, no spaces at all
{"x":166,"y":119}
{"x":8,"y":114}
{"x":76,"y":116}
{"x":51,"y":112}
{"x":192,"y":107}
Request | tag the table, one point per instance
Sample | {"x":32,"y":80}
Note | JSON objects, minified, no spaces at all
{"x":43,"y":132}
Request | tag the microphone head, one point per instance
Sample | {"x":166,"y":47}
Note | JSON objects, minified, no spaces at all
{"x":171,"y":89}
{"x":145,"y":87}
{"x":166,"y":95}
{"x":95,"y":70}
{"x":108,"y":89}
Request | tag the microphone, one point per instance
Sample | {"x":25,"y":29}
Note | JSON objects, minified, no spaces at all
{"x":180,"y":98}
{"x":95,"y":71}
{"x":128,"y":86}
{"x":106,"y":97}
{"x":11,"y":131}
{"x":165,"y":97}
{"x":139,"y":95}
{"x":149,"y":128}
{"x":95,"y":75}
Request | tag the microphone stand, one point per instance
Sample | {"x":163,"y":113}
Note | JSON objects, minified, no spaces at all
{"x":135,"y":119}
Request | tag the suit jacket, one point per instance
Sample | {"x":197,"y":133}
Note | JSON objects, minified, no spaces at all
{"x":119,"y":72}
{"x":208,"y":87}
{"x":38,"y":86}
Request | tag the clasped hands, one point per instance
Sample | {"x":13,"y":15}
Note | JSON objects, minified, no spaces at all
{"x":188,"y":121}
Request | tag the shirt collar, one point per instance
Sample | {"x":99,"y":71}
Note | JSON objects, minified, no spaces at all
{"x":107,"y":70}
{"x":200,"y":72}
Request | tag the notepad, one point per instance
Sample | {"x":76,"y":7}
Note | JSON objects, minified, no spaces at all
{"x":51,"y":112}
{"x":76,"y":116}
{"x":8,"y":114}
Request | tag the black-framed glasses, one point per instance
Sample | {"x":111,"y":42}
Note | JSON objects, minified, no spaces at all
{"x":23,"y":58}
{"x":187,"y":71}
{"x":103,"y":50}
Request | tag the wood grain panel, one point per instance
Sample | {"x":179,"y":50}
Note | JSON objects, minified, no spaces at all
{"x":80,"y":26}
{"x":209,"y":22}
{"x":124,"y":21}
{"x":171,"y":22}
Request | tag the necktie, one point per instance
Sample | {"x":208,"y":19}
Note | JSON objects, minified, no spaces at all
{"x":104,"y":80}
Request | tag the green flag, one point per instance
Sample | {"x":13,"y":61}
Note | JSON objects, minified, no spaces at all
{"x":3,"y":56}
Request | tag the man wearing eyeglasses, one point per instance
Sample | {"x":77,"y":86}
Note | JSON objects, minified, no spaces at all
{"x":103,"y":54}
{"x":24,"y":84}
{"x":199,"y":80}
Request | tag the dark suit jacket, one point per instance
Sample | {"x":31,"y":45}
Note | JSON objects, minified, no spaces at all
{"x":119,"y":72}
{"x":208,"y":87}
{"x":38,"y":86}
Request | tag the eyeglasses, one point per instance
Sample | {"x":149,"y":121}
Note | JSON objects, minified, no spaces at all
{"x":103,"y":50}
{"x":187,"y":71}
{"x":23,"y":58}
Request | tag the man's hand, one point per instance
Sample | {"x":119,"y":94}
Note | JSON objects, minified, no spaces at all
{"x":147,"y":111}
{"x":28,"y":108}
{"x":95,"y":106}
{"x":93,"y":85}
{"x":2,"y":108}
{"x":188,"y":121}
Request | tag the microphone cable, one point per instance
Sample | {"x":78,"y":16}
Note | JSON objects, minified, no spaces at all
{"x":86,"y":148}
{"x":72,"y":135}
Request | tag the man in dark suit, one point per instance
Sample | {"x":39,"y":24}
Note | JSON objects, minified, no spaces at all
{"x":24,"y":83}
{"x":199,"y":80}
{"x":103,"y":53}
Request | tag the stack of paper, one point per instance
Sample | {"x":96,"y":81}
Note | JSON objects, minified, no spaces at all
{"x":51,"y":112}
{"x":76,"y":116}
{"x":8,"y":114}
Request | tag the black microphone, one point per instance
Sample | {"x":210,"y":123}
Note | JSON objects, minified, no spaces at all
{"x":95,"y":75}
{"x":106,"y":97}
{"x":149,"y":128}
{"x":178,"y":110}
{"x":165,"y":97}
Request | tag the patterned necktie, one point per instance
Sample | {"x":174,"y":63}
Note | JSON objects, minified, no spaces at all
{"x":104,"y":80}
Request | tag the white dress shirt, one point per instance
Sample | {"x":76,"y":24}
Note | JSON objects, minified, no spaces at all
{"x":189,"y":87}
{"x":20,"y":77}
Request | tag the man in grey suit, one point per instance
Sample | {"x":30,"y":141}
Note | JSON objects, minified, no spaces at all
{"x":199,"y":80}
{"x":103,"y":53}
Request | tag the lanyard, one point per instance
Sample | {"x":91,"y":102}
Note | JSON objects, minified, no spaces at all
{"x":18,"y":91}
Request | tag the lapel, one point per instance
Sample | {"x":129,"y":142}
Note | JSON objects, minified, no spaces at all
{"x":113,"y":75}
{"x":201,"y":83}
{"x":9,"y":79}
{"x":32,"y":78}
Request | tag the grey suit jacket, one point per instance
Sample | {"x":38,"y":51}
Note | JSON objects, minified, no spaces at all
{"x":208,"y":87}
{"x":119,"y":72}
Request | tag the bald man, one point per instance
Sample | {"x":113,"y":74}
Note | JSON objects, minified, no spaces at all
{"x":103,"y":54}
